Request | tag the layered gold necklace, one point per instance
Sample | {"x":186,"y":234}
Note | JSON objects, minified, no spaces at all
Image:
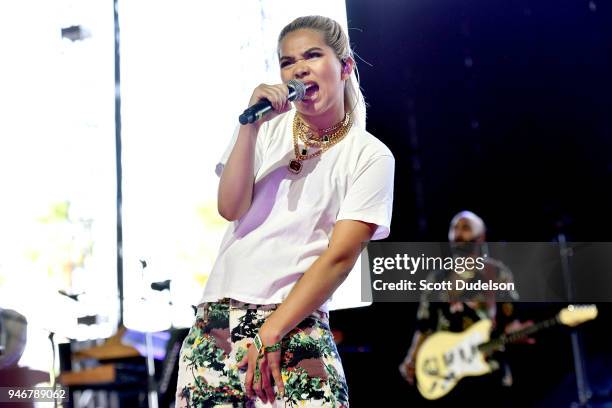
{"x":327,"y":138}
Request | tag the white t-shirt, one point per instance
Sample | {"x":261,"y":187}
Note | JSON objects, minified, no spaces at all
{"x":291,"y":217}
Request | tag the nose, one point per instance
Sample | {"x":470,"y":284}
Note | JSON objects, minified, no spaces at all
{"x":301,"y":69}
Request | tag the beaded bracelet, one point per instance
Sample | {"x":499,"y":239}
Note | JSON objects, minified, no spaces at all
{"x":261,"y":349}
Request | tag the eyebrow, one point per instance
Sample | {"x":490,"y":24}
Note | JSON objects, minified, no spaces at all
{"x":305,"y":52}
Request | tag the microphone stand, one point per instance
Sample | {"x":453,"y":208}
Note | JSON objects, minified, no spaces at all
{"x":52,"y":372}
{"x":151,"y":383}
{"x":172,"y":352}
{"x":2,"y":336}
{"x":582,"y":383}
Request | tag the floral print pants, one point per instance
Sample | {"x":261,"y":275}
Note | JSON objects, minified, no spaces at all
{"x":209,"y":376}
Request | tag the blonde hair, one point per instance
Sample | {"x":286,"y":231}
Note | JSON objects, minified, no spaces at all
{"x":337,"y":40}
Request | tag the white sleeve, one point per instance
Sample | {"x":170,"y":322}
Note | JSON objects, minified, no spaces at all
{"x":259,"y":150}
{"x":370,"y":196}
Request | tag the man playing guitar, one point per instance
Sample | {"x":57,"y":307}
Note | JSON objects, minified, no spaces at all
{"x":455,"y":312}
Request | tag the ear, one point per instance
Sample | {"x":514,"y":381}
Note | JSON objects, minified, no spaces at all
{"x":347,"y":68}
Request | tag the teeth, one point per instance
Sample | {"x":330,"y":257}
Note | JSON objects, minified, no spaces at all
{"x":311,"y":90}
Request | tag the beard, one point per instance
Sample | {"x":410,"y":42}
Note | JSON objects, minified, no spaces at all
{"x":461,"y":247}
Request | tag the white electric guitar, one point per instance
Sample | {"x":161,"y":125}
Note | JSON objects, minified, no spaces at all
{"x":444,"y":358}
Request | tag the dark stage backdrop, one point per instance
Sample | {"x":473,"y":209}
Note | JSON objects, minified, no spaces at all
{"x":504,"y":108}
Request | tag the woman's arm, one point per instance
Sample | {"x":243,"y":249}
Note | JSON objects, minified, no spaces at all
{"x":320,"y":280}
{"x":236,"y":185}
{"x":312,"y":290}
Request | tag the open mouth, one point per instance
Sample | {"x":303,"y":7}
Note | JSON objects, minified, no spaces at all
{"x":312,"y":90}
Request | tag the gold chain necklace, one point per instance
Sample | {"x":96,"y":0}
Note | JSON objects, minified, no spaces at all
{"x":307,"y":133}
{"x":301,"y":131}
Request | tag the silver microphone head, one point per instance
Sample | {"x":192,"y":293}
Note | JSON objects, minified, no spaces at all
{"x":298,"y":87}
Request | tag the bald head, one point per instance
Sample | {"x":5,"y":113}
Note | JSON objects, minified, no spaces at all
{"x":466,"y":227}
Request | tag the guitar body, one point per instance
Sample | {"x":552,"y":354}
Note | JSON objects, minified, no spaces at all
{"x":444,"y":358}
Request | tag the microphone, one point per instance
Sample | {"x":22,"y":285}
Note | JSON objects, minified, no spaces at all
{"x":297,"y":91}
{"x":161,"y":285}
{"x":73,"y":296}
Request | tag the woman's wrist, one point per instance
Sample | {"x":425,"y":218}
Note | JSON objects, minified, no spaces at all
{"x":269,"y":335}
{"x":253,"y":127}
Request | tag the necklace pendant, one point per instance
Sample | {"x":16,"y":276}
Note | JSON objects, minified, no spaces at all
{"x":295,"y":166}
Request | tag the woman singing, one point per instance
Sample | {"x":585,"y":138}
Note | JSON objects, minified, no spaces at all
{"x":304,"y":188}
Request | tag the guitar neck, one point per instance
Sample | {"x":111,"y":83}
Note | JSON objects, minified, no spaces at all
{"x":504,"y":339}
